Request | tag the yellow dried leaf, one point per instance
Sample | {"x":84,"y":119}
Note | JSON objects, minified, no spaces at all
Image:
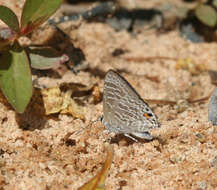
{"x":66,"y":99}
{"x":52,"y":99}
{"x":98,"y":182}
{"x":56,"y":101}
{"x":96,"y":94}
{"x":70,"y":107}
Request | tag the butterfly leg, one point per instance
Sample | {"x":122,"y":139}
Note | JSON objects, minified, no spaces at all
{"x":129,"y":136}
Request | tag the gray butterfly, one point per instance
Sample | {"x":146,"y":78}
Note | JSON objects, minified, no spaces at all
{"x":124,"y":110}
{"x":213,"y":108}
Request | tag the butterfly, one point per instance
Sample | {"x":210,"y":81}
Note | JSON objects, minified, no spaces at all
{"x":212,"y":111}
{"x":124,"y":111}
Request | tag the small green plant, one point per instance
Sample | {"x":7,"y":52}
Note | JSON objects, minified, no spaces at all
{"x":207,"y":13}
{"x":15,"y":60}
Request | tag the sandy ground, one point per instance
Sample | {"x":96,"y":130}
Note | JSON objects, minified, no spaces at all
{"x":35,"y":155}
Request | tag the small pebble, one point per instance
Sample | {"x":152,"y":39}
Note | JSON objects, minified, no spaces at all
{"x":201,"y":185}
{"x":200,"y":137}
{"x":214,"y":162}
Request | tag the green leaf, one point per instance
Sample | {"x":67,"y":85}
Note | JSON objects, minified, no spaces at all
{"x":214,"y":3}
{"x":206,"y":14}
{"x":45,"y":57}
{"x":9,"y":18}
{"x":35,"y":12}
{"x":43,"y":63}
{"x":15,"y":78}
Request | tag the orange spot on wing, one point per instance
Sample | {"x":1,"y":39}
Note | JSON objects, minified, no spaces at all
{"x":147,"y":115}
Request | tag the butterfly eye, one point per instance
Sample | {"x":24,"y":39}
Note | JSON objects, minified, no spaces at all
{"x":148,"y":115}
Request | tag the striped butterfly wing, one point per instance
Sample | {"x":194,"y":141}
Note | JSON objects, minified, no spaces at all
{"x":124,"y":110}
